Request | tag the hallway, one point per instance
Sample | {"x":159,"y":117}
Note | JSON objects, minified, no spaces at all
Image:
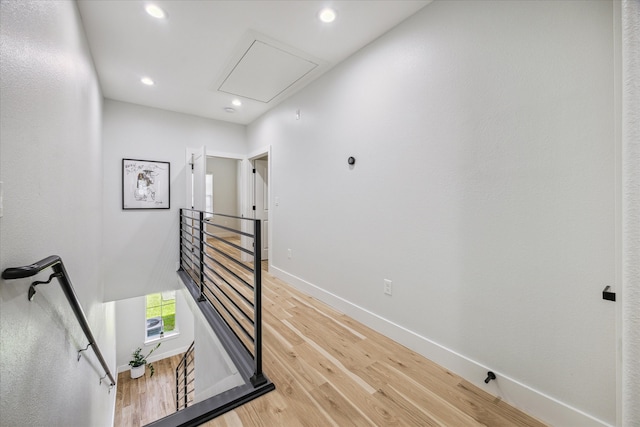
{"x":331,"y":370}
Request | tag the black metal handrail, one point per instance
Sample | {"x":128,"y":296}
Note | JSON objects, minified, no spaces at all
{"x":55,"y":262}
{"x":212,"y":268}
{"x":184,"y":379}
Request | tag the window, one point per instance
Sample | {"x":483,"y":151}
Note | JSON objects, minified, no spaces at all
{"x":160,"y":315}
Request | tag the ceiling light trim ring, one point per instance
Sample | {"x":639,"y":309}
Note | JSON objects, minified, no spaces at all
{"x":155,"y":11}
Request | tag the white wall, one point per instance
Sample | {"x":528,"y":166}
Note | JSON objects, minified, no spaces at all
{"x":51,"y":166}
{"x":130,"y":330}
{"x":484,"y":187}
{"x":141,"y":247}
{"x":215,"y":372}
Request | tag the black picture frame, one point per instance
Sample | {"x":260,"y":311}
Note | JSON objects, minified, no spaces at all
{"x":146,"y":184}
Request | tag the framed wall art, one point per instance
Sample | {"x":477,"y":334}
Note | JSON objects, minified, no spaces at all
{"x":145,"y":184}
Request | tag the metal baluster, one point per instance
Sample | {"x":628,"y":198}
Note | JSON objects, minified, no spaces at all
{"x":258,"y":377}
{"x":201,"y":214}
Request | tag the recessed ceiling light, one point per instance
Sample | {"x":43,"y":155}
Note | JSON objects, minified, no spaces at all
{"x":155,"y":11}
{"x":230,"y":110}
{"x":236,"y":102}
{"x":147,"y":81}
{"x":327,"y":15}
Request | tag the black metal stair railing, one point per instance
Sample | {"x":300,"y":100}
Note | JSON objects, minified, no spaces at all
{"x":60,"y":273}
{"x":220,"y":267}
{"x":185,"y":377}
{"x":228,"y":275}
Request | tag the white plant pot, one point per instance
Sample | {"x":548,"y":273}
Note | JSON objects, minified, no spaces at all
{"x":138,"y":371}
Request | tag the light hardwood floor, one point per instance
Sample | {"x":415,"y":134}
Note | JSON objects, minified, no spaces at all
{"x":143,"y":400}
{"x":330,"y":370}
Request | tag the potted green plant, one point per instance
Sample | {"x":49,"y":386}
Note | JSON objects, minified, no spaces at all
{"x":138,"y":362}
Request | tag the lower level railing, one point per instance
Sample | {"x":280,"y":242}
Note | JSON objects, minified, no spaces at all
{"x":185,"y":379}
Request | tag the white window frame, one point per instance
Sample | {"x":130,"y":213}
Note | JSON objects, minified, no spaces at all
{"x":162,"y":336}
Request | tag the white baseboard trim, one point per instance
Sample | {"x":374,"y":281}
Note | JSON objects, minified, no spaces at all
{"x":517,"y":394}
{"x":158,"y":356}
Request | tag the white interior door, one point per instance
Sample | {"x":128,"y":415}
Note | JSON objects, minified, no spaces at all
{"x":196,"y":170}
{"x":261,"y":201}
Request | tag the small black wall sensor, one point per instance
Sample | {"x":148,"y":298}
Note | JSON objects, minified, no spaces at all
{"x":351,"y":160}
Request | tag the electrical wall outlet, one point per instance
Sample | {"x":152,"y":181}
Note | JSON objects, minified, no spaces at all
{"x":387,"y":286}
{"x":289,"y":253}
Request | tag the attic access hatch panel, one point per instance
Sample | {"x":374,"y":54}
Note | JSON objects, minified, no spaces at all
{"x":264,"y":72}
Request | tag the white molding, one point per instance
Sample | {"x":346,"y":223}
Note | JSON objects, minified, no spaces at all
{"x":256,"y":154}
{"x":519,"y":395}
{"x":225,"y":155}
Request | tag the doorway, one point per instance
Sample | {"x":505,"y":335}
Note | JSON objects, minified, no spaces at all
{"x":222,"y":193}
{"x":261,"y":200}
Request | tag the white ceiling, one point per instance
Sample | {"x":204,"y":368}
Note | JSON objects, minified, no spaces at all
{"x":199,"y":56}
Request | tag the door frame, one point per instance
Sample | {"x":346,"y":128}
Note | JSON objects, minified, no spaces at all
{"x":250,"y":194}
{"x":194,"y":188}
